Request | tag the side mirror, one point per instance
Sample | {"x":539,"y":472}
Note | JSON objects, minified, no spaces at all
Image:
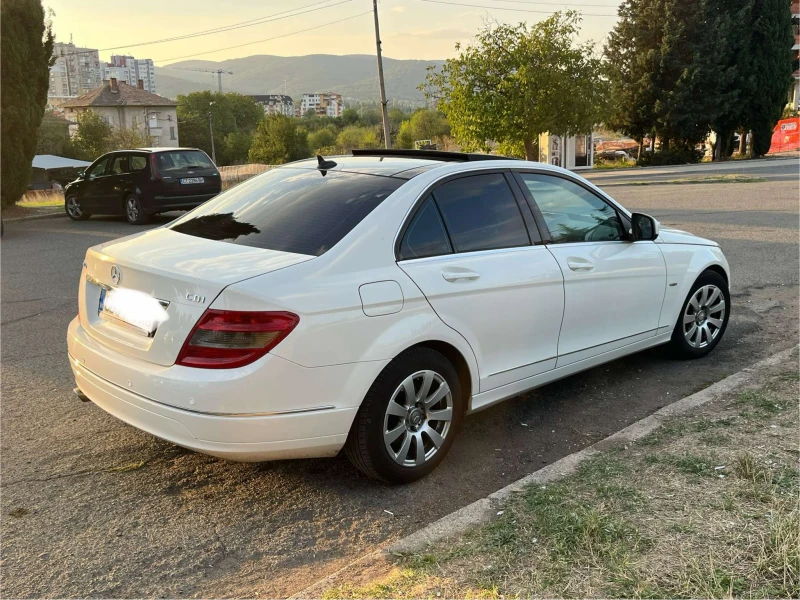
{"x":81,"y":174}
{"x":643,"y":227}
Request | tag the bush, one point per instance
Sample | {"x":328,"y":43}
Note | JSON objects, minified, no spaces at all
{"x":673,"y":156}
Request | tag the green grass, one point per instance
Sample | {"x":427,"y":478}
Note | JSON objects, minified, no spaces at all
{"x":704,"y":180}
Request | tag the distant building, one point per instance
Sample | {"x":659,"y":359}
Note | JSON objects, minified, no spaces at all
{"x":324,"y":104}
{"x":575,"y":153}
{"x":794,"y":91}
{"x":130,"y":70}
{"x":127,"y":106}
{"x":76,"y":71}
{"x":276,"y":104}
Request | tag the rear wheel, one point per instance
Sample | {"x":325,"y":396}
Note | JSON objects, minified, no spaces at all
{"x":72,"y":206}
{"x":409,"y":418}
{"x":134,"y":211}
{"x":703,"y":318}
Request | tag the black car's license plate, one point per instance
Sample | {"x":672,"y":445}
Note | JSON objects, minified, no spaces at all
{"x":187,"y":180}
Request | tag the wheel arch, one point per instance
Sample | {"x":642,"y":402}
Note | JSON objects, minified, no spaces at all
{"x":458,"y":361}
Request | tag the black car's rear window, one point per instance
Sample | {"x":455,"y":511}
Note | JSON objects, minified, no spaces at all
{"x":177,"y":160}
{"x":292,"y":210}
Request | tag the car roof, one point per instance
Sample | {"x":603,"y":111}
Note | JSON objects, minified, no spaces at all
{"x":404,"y":168}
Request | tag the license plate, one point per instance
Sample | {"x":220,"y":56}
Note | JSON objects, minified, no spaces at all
{"x":131,"y":310}
{"x":186,"y":180}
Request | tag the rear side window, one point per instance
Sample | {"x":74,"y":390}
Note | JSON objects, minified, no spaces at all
{"x":138,"y":162}
{"x":425,"y":235}
{"x":180,"y":160}
{"x":119,"y":165}
{"x":480,"y":213}
{"x":291,"y":210}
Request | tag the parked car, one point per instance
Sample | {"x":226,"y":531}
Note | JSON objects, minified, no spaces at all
{"x":141,"y":183}
{"x":371,"y":301}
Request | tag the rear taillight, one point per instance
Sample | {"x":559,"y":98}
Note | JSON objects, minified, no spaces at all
{"x":224,"y":339}
{"x":154,"y":172}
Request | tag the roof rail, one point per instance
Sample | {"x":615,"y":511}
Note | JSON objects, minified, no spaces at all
{"x":429,"y":154}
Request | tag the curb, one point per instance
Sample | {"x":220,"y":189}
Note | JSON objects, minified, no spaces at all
{"x":481,"y":511}
{"x":37,"y":217}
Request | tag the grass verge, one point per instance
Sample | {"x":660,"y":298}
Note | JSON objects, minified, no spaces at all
{"x":706,"y":179}
{"x":39,"y":198}
{"x":706,"y":506}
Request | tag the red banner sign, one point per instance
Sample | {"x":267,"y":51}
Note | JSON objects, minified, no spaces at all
{"x":786,"y":136}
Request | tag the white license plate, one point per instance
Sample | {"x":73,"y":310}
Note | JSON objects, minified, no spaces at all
{"x":186,"y":180}
{"x":132,"y":310}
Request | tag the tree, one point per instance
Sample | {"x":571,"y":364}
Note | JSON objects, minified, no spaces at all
{"x":279,"y":139}
{"x":53,"y":137}
{"x":93,"y":136}
{"x":26,"y":49}
{"x":322,"y":138}
{"x":353,"y":136}
{"x":424,"y":124}
{"x":121,"y":138}
{"x":517,"y":82}
{"x":230,"y":113}
{"x":771,"y":35}
{"x":237,"y":146}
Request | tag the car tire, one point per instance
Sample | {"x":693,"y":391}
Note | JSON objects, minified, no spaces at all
{"x":384,"y":441}
{"x":134,"y":211}
{"x":72,"y":207}
{"x":703,"y":318}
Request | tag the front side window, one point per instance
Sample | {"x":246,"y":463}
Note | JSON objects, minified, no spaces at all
{"x":480,"y":213}
{"x":425,"y":235}
{"x":571,"y":212}
{"x":291,"y":210}
{"x":99,"y":168}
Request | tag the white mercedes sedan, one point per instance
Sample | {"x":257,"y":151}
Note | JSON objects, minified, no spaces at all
{"x":369,"y":302}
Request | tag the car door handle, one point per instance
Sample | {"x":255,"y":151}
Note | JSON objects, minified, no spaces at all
{"x":579,"y":264}
{"x":452,"y":275}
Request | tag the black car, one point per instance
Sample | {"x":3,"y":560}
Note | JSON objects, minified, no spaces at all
{"x":142,"y":182}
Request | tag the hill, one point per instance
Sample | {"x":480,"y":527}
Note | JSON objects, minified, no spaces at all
{"x":353,"y":76}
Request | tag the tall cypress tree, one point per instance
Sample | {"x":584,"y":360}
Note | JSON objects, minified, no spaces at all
{"x":26,"y":43}
{"x":770,"y":48}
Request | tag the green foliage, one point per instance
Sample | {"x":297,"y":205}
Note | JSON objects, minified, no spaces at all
{"x":518,"y":81}
{"x":26,"y":48}
{"x":237,"y":146}
{"x":230,"y":113}
{"x":424,"y":124}
{"x":680,"y":68}
{"x":322,"y":139}
{"x":277,"y":140}
{"x":53,"y":137}
{"x":93,"y":136}
{"x":354,"y":136}
{"x":121,"y":138}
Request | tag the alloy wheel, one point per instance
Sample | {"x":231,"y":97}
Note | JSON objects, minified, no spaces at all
{"x":132,"y":209}
{"x":74,"y":207}
{"x":418,"y":418}
{"x":704,"y":316}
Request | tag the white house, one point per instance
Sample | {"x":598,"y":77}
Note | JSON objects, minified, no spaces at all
{"x":126,"y":106}
{"x":575,"y":153}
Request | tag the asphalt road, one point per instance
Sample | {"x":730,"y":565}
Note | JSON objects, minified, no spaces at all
{"x":93,"y":507}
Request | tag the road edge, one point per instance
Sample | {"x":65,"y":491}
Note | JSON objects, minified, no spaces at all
{"x":52,"y":215}
{"x":479,"y":512}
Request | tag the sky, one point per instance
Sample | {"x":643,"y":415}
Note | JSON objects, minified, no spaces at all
{"x":410,"y":29}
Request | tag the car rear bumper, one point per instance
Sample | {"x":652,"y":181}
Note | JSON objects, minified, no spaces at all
{"x":241,"y":438}
{"x":167,"y":203}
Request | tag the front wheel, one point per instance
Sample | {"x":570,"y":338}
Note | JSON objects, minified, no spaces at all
{"x":704,"y":317}
{"x":72,"y":206}
{"x":134,"y":211}
{"x":409,"y":418}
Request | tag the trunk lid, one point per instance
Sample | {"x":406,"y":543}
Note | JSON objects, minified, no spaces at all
{"x":185,"y":273}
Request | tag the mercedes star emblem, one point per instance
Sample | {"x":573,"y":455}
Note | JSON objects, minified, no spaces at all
{"x":116,"y":275}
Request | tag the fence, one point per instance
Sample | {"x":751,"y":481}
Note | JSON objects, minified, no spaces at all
{"x":235,"y":174}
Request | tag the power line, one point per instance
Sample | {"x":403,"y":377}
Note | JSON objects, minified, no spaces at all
{"x":547,"y":12}
{"x":264,"y":40}
{"x":259,"y":21}
{"x":556,"y":3}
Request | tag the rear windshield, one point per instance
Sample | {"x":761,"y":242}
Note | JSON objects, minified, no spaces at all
{"x":291,"y":210}
{"x":179,"y":160}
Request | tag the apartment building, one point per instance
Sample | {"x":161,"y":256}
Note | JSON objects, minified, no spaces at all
{"x":130,"y":70}
{"x":276,"y":104}
{"x":324,"y":104}
{"x":76,"y":71}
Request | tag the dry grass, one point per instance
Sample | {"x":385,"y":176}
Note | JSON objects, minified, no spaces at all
{"x":41,"y":198}
{"x":706,"y":507}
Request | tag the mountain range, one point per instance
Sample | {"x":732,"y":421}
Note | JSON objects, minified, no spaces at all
{"x":353,"y":76}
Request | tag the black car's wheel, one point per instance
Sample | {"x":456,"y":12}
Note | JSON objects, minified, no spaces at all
{"x":72,"y":206}
{"x":409,"y":418}
{"x":704,"y":317}
{"x":134,"y":211}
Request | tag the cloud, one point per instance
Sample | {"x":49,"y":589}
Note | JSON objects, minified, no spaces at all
{"x":399,"y":9}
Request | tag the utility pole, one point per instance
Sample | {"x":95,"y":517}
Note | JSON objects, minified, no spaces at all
{"x":211,"y":133}
{"x":386,"y":135}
